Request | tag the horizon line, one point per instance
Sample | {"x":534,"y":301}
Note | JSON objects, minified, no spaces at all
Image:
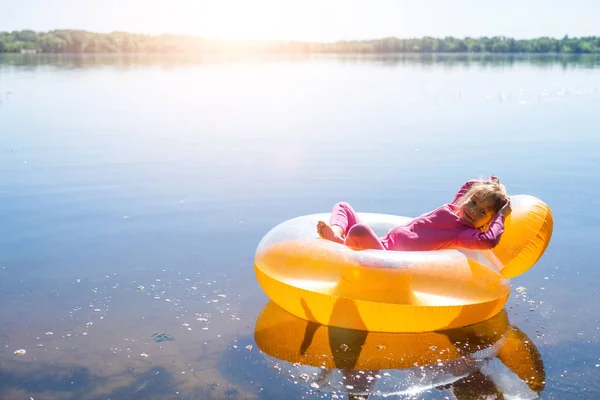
{"x":197,"y":36}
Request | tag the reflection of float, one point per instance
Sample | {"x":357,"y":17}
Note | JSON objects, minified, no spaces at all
{"x":397,"y":291}
{"x":490,"y":357}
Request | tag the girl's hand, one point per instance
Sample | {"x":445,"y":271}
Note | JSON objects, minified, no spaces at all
{"x":506,"y":209}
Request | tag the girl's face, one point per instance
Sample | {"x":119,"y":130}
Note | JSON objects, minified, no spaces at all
{"x":477,"y":212}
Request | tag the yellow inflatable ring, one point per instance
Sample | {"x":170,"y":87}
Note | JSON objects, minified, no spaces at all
{"x":397,"y":291}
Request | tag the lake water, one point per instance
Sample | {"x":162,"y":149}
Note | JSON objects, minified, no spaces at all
{"x":134,"y":191}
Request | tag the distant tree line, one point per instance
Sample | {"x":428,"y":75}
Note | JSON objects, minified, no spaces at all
{"x":78,"y":41}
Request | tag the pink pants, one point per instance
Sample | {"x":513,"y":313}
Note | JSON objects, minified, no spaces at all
{"x":357,"y":235}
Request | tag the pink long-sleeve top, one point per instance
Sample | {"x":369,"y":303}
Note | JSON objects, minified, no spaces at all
{"x":442,"y":228}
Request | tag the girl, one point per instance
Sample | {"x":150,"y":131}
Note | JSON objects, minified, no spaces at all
{"x":473,"y":220}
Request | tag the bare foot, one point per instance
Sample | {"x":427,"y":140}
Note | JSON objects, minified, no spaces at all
{"x":326,"y":232}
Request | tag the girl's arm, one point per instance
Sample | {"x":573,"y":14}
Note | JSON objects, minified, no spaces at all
{"x":476,"y":240}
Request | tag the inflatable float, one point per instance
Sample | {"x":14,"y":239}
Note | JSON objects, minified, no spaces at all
{"x":397,"y":291}
{"x":491,"y":357}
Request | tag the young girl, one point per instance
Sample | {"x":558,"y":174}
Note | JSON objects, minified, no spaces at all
{"x":473,"y":220}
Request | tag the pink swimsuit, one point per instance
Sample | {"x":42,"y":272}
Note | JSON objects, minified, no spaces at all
{"x":439,"y":229}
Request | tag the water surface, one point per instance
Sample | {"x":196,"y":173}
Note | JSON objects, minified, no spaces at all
{"x":135,"y":189}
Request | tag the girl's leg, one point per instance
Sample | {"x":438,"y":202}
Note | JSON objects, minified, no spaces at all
{"x":362,"y":237}
{"x":344,"y":227}
{"x":343,"y":217}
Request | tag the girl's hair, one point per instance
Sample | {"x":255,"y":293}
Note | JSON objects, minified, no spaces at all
{"x":487,"y":190}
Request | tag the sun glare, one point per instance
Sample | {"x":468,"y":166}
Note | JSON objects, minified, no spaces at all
{"x":239,"y":19}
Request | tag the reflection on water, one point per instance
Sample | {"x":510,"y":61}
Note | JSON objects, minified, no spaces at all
{"x":132,"y":61}
{"x":489,"y":358}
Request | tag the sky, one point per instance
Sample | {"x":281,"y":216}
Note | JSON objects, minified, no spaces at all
{"x":310,"y":20}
